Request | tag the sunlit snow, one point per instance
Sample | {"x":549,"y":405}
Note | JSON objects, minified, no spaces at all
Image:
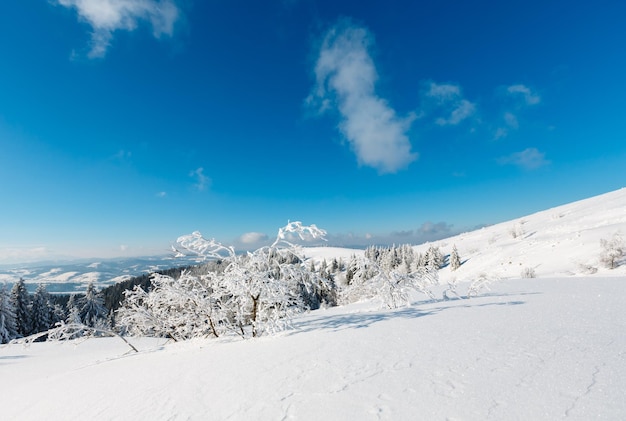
{"x":544,"y":348}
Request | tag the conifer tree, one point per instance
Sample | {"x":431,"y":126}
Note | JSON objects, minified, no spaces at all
{"x":455,"y":260}
{"x":73,"y":312}
{"x":434,"y":258}
{"x":92,"y":307}
{"x":8,"y":327}
{"x":41,"y":310}
{"x":20,"y":301}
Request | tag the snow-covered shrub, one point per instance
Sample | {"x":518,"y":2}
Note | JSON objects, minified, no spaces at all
{"x":71,"y":331}
{"x":517,"y":230}
{"x":175,"y":308}
{"x":587,"y":269}
{"x":481,"y":282}
{"x":257,"y":293}
{"x":529,"y":272}
{"x":613,"y":251}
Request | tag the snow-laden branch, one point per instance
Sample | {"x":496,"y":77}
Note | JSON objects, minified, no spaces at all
{"x":196,"y":245}
{"x":295,"y":230}
{"x":71,"y":331}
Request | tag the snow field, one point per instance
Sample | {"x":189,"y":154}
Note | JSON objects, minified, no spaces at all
{"x":530,"y":349}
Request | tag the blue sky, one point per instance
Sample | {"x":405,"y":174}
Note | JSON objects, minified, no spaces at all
{"x":126,"y":123}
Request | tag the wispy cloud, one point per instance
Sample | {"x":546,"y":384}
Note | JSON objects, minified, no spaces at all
{"x":528,"y":159}
{"x":449,"y":98}
{"x":428,"y":231}
{"x":519,"y":98}
{"x":253,"y":238}
{"x":511,"y":120}
{"x":345,"y":80}
{"x":443,"y":92}
{"x":530,"y":97}
{"x":462,"y":110}
{"x":202,"y":182}
{"x":161,"y":194}
{"x":107,"y":16}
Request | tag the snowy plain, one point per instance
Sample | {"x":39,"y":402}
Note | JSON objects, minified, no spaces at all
{"x":546,"y":348}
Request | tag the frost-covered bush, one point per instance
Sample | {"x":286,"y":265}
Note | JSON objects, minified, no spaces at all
{"x":257,"y":293}
{"x":587,"y":268}
{"x":481,"y":282}
{"x":529,"y":272}
{"x":613,"y":251}
{"x":517,"y":230}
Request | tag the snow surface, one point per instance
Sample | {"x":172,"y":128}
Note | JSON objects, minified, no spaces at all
{"x":548,"y":348}
{"x":563,"y":241}
{"x":534,"y":349}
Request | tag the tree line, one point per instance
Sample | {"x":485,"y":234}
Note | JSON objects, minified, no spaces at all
{"x":251,"y":294}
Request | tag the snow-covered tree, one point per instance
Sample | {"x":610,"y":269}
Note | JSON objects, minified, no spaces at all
{"x":8,"y":326}
{"x":73,"y":312}
{"x":92,"y":309}
{"x":455,"y":260}
{"x":393,"y":287}
{"x":41,"y":310}
{"x":434,"y":258}
{"x":20,"y":301}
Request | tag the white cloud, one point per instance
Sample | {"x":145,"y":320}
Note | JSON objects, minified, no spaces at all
{"x":161,"y":194}
{"x":500,"y":133}
{"x":253,"y":237}
{"x":530,"y":98}
{"x":345,"y":80}
{"x":202,"y":181}
{"x":443,"y":92}
{"x":107,"y":16}
{"x":528,"y":159}
{"x":511,"y":120}
{"x":464,"y":109}
{"x":449,"y":99}
{"x":428,"y":231}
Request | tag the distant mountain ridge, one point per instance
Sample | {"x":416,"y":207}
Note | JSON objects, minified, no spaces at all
{"x":73,"y":276}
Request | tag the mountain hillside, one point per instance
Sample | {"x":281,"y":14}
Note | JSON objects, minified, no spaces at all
{"x":562,"y":241}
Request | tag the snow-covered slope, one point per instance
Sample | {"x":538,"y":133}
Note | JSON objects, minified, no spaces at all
{"x":563,"y":241}
{"x":532,"y":349}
